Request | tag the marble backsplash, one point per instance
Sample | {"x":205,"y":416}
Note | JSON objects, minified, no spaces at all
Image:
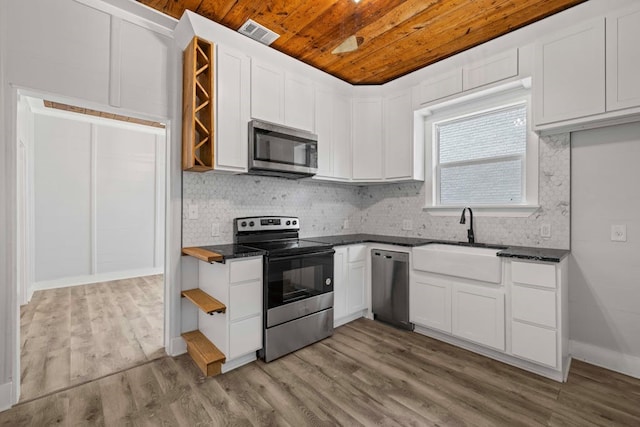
{"x":380,"y":209}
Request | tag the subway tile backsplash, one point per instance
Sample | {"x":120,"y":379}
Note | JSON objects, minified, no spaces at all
{"x":380,"y":209}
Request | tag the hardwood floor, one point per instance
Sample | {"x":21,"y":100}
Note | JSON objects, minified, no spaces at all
{"x":76,"y":334}
{"x":367,"y":373}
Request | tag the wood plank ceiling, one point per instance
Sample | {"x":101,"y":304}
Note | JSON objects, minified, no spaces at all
{"x":398,"y":36}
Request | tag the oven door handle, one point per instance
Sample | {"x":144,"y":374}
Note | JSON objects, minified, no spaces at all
{"x":313,"y":254}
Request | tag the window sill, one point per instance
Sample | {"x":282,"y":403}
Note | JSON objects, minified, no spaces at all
{"x":500,"y":211}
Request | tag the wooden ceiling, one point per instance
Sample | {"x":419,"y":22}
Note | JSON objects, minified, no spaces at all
{"x":399,"y":36}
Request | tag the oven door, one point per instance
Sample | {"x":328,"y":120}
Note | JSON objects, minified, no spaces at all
{"x":289,"y":279}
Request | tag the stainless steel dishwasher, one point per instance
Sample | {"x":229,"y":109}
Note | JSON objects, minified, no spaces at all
{"x":390,"y":287}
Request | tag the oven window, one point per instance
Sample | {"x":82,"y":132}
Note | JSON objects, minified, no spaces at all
{"x":295,"y":278}
{"x":273,"y":147}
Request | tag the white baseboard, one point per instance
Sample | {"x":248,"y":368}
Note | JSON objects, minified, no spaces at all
{"x":605,"y":358}
{"x":177,"y":346}
{"x":6,"y":396}
{"x":350,"y":318}
{"x":95,"y":278}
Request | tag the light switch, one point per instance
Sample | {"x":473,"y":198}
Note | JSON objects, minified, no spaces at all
{"x":346,"y":225}
{"x":215,"y":229}
{"x":619,"y":233}
{"x":545,"y":231}
{"x":407,"y":225}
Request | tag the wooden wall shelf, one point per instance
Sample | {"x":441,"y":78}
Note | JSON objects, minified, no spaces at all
{"x":204,"y":301}
{"x":203,"y":254}
{"x":198,"y":102}
{"x":206,"y":355}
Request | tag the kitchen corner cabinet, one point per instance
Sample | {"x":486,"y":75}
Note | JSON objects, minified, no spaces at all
{"x":349,"y":283}
{"x":237,"y":284}
{"x":281,"y":97}
{"x":333,"y":127}
{"x":367,"y":139}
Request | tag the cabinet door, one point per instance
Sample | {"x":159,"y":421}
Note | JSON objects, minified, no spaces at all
{"x":356,"y":291}
{"x":340,"y":283}
{"x":367,"y":139}
{"x":430,"y":303}
{"x":267,"y":92}
{"x":398,"y":136}
{"x":342,"y":137}
{"x":623,"y":59}
{"x":534,"y":343}
{"x":490,"y":70}
{"x":438,"y":87}
{"x":324,"y":130}
{"x":245,"y":337}
{"x":569,"y":74}
{"x":232,"y":110}
{"x":299,"y":103}
{"x":478,"y":315}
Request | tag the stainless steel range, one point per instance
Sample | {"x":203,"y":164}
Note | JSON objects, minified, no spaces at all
{"x":298,"y":283}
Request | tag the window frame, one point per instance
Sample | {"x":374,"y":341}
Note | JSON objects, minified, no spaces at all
{"x":467,"y":107}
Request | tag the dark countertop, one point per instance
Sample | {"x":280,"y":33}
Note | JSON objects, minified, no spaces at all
{"x":234,"y":251}
{"x":519,"y":252}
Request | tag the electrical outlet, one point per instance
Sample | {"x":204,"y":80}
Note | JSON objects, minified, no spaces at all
{"x":192,"y":211}
{"x":215,"y":229}
{"x":407,"y":225}
{"x":545,"y":231}
{"x":619,"y":233}
{"x":346,"y":225}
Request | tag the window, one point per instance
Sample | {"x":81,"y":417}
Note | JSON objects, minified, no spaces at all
{"x":483,"y":154}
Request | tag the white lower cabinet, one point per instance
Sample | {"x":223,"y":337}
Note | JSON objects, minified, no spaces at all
{"x":534,"y":343}
{"x":349,"y":283}
{"x":238,"y":285}
{"x":478,"y":314}
{"x":430,"y":302}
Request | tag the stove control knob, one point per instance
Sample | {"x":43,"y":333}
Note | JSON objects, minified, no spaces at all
{"x":295,"y":222}
{"x":251,"y":224}
{"x":243,"y":224}
{"x":288,"y":222}
{"x":328,"y":281}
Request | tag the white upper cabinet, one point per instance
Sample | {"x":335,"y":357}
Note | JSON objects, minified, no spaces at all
{"x":140,"y":82}
{"x":281,"y":97}
{"x":398,"y":136}
{"x":324,"y":130}
{"x":267,"y":92}
{"x":299,"y":104}
{"x":569,"y":73}
{"x":367,"y":139}
{"x":232,"y":109}
{"x":445,"y":84}
{"x":341,"y":147}
{"x":623,"y":59}
{"x":490,"y":70}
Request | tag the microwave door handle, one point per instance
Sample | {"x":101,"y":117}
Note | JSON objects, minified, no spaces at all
{"x":313,"y":254}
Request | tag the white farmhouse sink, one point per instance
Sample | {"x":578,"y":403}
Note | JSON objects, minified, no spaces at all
{"x":470,"y":262}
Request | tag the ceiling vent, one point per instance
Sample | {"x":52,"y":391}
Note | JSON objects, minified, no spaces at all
{"x":258,"y":32}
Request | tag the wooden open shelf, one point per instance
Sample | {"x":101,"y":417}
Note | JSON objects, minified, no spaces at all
{"x":206,"y":355}
{"x":203,"y":254}
{"x":204,"y":301}
{"x":198,"y":106}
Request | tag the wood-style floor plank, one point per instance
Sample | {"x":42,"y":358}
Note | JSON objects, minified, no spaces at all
{"x":77,"y":334}
{"x":366,"y":374}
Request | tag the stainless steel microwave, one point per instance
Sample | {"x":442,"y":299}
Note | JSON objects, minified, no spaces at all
{"x":277,"y":150}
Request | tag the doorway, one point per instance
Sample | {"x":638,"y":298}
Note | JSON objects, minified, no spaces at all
{"x":91,"y":203}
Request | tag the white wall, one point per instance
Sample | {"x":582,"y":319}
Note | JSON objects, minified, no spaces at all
{"x":604,"y":276}
{"x":96,"y":198}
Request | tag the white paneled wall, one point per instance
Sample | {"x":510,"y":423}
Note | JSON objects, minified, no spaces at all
{"x":604,"y":287}
{"x":98,"y":191}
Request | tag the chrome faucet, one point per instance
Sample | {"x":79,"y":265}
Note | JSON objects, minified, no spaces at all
{"x":470,"y":235}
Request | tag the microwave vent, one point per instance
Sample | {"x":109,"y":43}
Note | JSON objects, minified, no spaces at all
{"x":258,"y":32}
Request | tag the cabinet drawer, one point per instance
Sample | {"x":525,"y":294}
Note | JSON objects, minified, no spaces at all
{"x":530,"y":273}
{"x":534,"y":343}
{"x":245,"y":337}
{"x":534,"y":305}
{"x":242,"y":271}
{"x":357,"y":253}
{"x":246,"y":300}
